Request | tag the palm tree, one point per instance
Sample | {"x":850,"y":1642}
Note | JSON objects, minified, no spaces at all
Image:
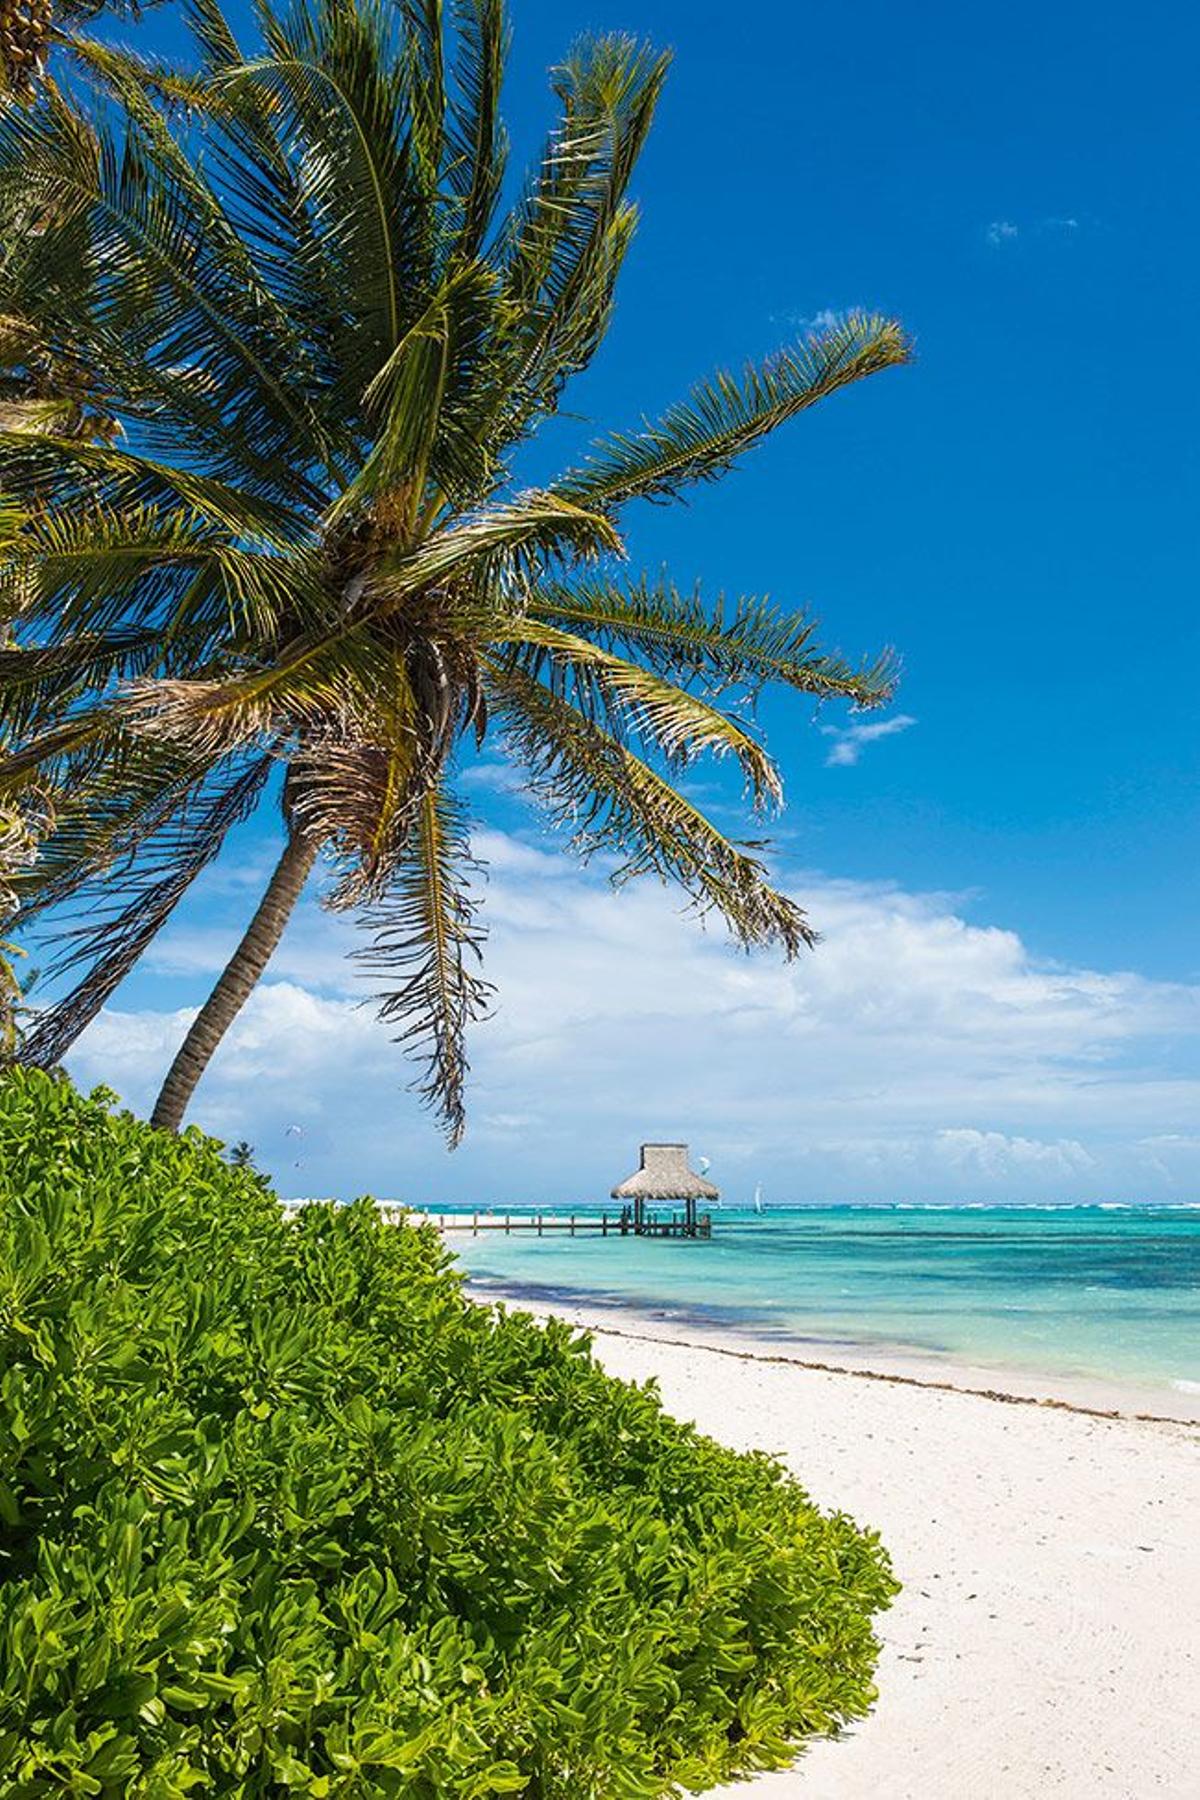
{"x":300,"y":572}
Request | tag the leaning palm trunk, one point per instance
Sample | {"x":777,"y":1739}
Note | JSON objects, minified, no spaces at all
{"x":237,"y":982}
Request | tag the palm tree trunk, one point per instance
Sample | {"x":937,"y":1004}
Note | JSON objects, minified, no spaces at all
{"x":237,"y":981}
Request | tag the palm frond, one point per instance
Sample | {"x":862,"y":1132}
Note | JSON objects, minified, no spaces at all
{"x":124,"y":911}
{"x":568,"y":236}
{"x":214,"y":717}
{"x":323,"y":685}
{"x":499,"y":549}
{"x":428,"y":450}
{"x":339,"y":80}
{"x":265,"y":176}
{"x":97,"y":570}
{"x":41,"y":471}
{"x":426,"y":938}
{"x":614,"y":803}
{"x":702,"y":437}
{"x":214,"y":37}
{"x":358,"y":798}
{"x":176,"y":89}
{"x":41,"y":684}
{"x":477,"y":139}
{"x":60,"y":755}
{"x":599,"y":684}
{"x":741,"y":646}
{"x":104,"y":808}
{"x":19,"y":414}
{"x":224,"y":287}
{"x":356,"y":785}
{"x":71,"y":13}
{"x":425,"y":64}
{"x":164,"y":298}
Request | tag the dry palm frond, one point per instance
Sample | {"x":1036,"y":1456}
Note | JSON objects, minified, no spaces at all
{"x":424,"y":930}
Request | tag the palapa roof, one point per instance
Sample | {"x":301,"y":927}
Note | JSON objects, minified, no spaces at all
{"x":665,"y":1175}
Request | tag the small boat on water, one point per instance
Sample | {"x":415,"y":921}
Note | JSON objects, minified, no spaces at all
{"x":758,"y":1199}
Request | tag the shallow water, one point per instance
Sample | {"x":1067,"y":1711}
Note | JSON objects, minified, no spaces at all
{"x":1112,"y":1292}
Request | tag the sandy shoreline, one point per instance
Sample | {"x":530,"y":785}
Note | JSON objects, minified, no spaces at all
{"x":1047,"y":1641}
{"x":1159,"y":1402}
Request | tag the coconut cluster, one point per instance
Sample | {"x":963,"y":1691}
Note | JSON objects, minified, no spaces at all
{"x":24,"y":39}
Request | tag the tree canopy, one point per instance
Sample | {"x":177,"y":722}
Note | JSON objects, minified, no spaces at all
{"x":272,"y":340}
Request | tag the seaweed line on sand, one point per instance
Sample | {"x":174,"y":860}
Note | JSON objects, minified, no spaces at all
{"x":918,"y":1381}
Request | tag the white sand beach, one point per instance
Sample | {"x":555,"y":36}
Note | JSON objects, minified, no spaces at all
{"x":1047,"y":1641}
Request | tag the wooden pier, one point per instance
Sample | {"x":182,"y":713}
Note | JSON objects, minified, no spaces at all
{"x":663,"y":1179}
{"x":629,"y":1222}
{"x":626,"y":1223}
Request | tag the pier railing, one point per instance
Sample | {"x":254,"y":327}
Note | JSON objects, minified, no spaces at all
{"x":620,"y":1224}
{"x":544,"y":1224}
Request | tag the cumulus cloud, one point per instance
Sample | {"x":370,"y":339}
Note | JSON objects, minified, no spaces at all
{"x":1002,"y":231}
{"x":849,"y":741}
{"x":915,"y":1054}
{"x":998,"y":1157}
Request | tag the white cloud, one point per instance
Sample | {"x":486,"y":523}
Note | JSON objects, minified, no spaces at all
{"x":999,"y":1157}
{"x":1003,"y":232}
{"x":849,"y":741}
{"x":914,"y":1053}
{"x":827,"y":319}
{"x":493,"y":778}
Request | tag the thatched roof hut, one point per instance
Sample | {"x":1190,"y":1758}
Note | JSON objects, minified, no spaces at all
{"x":665,"y":1175}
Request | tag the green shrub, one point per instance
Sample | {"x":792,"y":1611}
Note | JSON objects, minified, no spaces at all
{"x":282,"y":1512}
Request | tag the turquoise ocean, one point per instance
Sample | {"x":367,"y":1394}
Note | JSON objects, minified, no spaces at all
{"x":1096,"y":1291}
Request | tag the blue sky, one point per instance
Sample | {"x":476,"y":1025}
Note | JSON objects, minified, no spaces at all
{"x":1015,"y":513}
